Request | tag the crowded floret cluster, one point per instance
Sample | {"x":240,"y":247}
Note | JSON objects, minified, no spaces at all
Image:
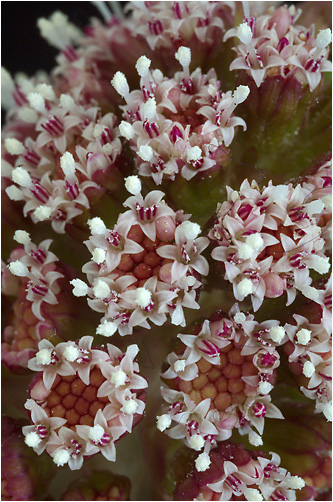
{"x":84,"y":400}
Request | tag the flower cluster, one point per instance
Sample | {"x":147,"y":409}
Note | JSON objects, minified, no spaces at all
{"x":147,"y":267}
{"x":178,"y":125}
{"x":67,"y":148}
{"x":221,"y":376}
{"x":84,"y":400}
{"x":273,"y":44}
{"x":165,"y":24}
{"x":234,"y":472}
{"x":37,"y":265}
{"x":269,"y":240}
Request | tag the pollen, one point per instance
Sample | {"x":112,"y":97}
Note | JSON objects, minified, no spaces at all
{"x":97,"y":226}
{"x":202,"y":462}
{"x":118,"y":378}
{"x":143,"y":65}
{"x":43,"y":357}
{"x":106,"y":328}
{"x":96,"y":433}
{"x":18,"y":268}
{"x":61,"y":457}
{"x":22,"y":237}
{"x":303,"y":336}
{"x":71,"y":353}
{"x":277,"y":333}
{"x":163,"y":422}
{"x":32,"y":439}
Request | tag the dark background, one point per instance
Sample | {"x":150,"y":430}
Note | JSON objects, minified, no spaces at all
{"x":23,"y":49}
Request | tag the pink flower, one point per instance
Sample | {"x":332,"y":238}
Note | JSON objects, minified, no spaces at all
{"x":269,"y":248}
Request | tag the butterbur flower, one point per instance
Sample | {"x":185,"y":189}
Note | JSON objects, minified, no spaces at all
{"x":169,"y":182}
{"x":144,"y":269}
{"x":268,"y":43}
{"x":268,"y":249}
{"x":42,"y":307}
{"x":221,"y":376}
{"x":78,"y":392}
{"x":179,"y":125}
{"x":235,"y":473}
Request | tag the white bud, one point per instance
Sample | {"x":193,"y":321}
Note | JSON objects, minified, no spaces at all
{"x":32,"y":439}
{"x":255,"y":241}
{"x":42,"y":213}
{"x":295,"y":482}
{"x":101,"y":290}
{"x":196,"y":442}
{"x":303,"y":336}
{"x":252,"y":494}
{"x":239,"y":318}
{"x":21,"y":177}
{"x":244,"y":33}
{"x":129,"y":407}
{"x":245,"y":287}
{"x":120,"y":84}
{"x":133,"y":184}
{"x":308,"y":369}
{"x":193,"y":154}
{"x":106,"y":328}
{"x":240,"y":94}
{"x":96,"y":433}
{"x":146,"y":153}
{"x":97,"y":226}
{"x":22,"y":237}
{"x":67,"y":164}
{"x":61,"y":457}
{"x":191,"y":230}
{"x":46,"y":91}
{"x":321,"y":264}
{"x":80,"y":287}
{"x":324,"y":38}
{"x":255,"y":439}
{"x":183,"y":55}
{"x":202,"y":462}
{"x":265,"y":388}
{"x":14,"y":146}
{"x":19,"y":269}
{"x":118,"y":378}
{"x":126,"y":130}
{"x":148,"y":109}
{"x":142,"y":66}
{"x":245,"y":252}
{"x":98,"y":255}
{"x":43,"y":357}
{"x":179,"y":365}
{"x":14,"y":193}
{"x":277,"y":334}
{"x":143,"y":297}
{"x":36,"y":101}
{"x":71,"y":353}
{"x":163,"y":422}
